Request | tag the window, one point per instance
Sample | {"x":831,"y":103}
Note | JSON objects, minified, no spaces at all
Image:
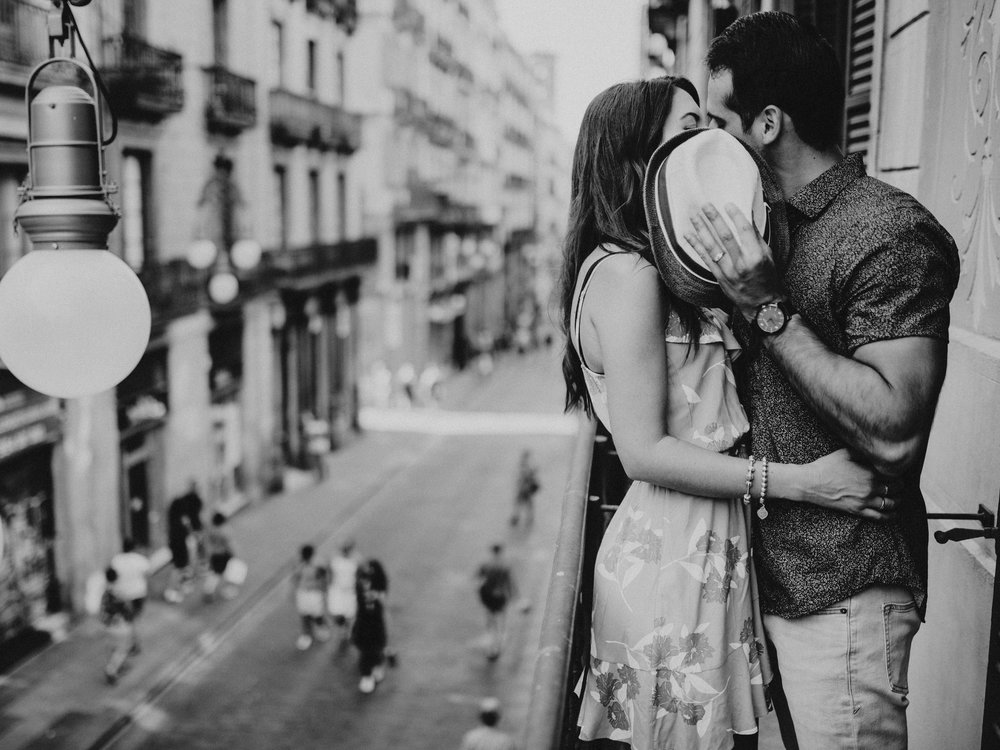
{"x":341,"y":78}
{"x":860,"y":57}
{"x":341,"y":206}
{"x":220,"y":30}
{"x":314,"y":206}
{"x":277,"y":54}
{"x":135,"y":203}
{"x":405,"y":243}
{"x":281,"y":204}
{"x":311,"y":67}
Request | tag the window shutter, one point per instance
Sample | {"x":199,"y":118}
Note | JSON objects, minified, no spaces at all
{"x":860,"y":62}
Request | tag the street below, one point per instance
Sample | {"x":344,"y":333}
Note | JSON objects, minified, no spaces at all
{"x":431,"y":524}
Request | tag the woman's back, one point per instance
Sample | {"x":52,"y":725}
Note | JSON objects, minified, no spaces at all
{"x":703,"y":406}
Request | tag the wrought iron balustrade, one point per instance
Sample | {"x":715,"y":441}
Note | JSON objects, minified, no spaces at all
{"x":308,"y":260}
{"x":231,"y":106}
{"x":144,"y":81}
{"x":596,"y":485}
{"x":300,"y":119}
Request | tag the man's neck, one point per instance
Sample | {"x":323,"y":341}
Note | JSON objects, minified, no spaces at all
{"x":796,"y":165}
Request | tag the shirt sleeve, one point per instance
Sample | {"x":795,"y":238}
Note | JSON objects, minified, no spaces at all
{"x":900,"y":286}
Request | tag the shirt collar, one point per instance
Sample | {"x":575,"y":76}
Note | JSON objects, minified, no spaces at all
{"x":813,"y":198}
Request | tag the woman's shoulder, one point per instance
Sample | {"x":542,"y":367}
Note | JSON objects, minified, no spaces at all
{"x":619,"y":268}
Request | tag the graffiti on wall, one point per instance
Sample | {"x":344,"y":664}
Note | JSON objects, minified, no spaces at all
{"x":974,"y":183}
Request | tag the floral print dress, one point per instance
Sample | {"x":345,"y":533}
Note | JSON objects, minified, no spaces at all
{"x":677,"y":654}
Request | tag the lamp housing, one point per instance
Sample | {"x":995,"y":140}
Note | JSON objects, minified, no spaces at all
{"x":74,"y":318}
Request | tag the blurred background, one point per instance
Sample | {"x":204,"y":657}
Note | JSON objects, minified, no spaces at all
{"x":347,"y":215}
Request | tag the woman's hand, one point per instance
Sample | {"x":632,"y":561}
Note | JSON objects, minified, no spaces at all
{"x":838,"y":482}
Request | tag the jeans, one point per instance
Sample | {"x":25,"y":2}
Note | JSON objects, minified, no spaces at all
{"x":843,"y":672}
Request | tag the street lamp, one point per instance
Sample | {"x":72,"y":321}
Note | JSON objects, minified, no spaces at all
{"x":223,"y":285}
{"x":74,"y":318}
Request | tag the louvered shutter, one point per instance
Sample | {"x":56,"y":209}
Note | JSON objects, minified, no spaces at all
{"x":860,"y":62}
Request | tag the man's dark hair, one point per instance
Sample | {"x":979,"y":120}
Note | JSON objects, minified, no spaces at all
{"x":777,"y":59}
{"x":489,"y":718}
{"x":306,"y":552}
{"x":218,"y":519}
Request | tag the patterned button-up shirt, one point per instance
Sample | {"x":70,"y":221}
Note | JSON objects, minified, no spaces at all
{"x":868,"y":263}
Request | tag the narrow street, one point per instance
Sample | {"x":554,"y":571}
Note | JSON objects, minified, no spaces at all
{"x":431,"y":525}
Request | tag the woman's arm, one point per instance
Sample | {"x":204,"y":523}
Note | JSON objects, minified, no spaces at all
{"x":627,"y":309}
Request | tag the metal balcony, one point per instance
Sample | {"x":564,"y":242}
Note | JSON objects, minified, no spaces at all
{"x":298,"y":119}
{"x":145,"y":82}
{"x":174,"y":289}
{"x":231,"y":106}
{"x":23,"y":40}
{"x":331,"y":260}
{"x":345,"y":13}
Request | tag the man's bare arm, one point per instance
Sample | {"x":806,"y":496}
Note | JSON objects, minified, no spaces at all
{"x":880,"y":402}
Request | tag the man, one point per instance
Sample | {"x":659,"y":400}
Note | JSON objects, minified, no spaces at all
{"x":183,"y":526}
{"x":131,"y":586}
{"x":496,"y":588}
{"x":486,"y":736}
{"x":846,"y":345}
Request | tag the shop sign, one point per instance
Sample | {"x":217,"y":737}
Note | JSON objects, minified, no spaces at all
{"x":24,"y":428}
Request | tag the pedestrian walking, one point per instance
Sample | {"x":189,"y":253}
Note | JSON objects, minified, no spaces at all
{"x":316,"y":433}
{"x":309,"y":587}
{"x":496,"y":589}
{"x":369,"y":633}
{"x":184,"y":529}
{"x":116,"y":617}
{"x":524,"y":496}
{"x":486,"y":736}
{"x":342,"y":598}
{"x":219,"y":551}
{"x":132,"y":586}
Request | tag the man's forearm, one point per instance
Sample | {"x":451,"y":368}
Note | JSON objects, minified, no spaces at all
{"x":850,"y":397}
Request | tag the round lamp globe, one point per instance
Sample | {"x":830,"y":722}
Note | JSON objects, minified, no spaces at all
{"x":72,"y":322}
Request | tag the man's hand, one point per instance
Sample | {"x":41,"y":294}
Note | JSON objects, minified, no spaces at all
{"x":742,"y":264}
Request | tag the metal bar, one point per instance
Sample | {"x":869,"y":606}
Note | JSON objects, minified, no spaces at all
{"x":549,"y":687}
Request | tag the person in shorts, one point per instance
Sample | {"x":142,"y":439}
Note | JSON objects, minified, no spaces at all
{"x":309,"y":586}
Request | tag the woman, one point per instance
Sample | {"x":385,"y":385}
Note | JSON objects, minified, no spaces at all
{"x":677,"y":643}
{"x":369,"y":633}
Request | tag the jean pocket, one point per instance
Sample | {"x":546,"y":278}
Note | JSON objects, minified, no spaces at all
{"x":901,"y":624}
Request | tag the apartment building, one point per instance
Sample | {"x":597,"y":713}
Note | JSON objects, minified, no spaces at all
{"x":233,"y":137}
{"x":452,"y":116}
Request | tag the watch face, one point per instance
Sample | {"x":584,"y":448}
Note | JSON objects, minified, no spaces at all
{"x":770,"y":318}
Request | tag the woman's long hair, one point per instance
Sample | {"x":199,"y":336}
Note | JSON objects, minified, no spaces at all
{"x":621,"y":129}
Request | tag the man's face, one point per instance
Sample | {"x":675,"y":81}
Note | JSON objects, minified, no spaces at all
{"x":720,"y":87}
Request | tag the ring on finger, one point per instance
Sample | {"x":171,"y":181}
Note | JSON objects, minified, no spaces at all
{"x":885,"y":489}
{"x":882,"y":506}
{"x":718,"y":257}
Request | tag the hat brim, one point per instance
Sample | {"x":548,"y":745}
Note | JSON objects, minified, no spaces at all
{"x":684,"y":275}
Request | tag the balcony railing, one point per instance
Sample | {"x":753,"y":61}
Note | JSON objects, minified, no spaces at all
{"x":321,"y":258}
{"x":298,"y":119}
{"x":596,"y":485}
{"x":145,"y":82}
{"x":174,"y":289}
{"x":231,"y":106}
{"x":24,"y":39}
{"x":345,"y":13}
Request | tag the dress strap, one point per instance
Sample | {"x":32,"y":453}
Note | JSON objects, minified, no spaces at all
{"x":579,"y":305}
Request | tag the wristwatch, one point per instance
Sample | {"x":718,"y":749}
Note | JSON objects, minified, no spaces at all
{"x":772,"y":317}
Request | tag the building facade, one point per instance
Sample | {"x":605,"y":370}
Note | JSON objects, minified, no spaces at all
{"x":922,"y":107}
{"x":452,"y":115}
{"x":234,"y":138}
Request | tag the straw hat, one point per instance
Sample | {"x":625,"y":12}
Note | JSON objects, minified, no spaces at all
{"x":707,"y":166}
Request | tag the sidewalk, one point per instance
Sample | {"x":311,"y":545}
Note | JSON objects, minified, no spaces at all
{"x":58,"y":697}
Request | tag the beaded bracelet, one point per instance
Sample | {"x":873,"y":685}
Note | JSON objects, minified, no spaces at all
{"x":749,"y":480}
{"x":762,"y":510}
